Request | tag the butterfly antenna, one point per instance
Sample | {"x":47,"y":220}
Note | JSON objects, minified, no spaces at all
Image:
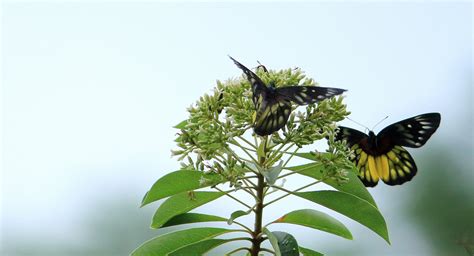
{"x":383,"y":119}
{"x":367,"y":128}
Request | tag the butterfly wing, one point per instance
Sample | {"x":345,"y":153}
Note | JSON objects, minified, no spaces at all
{"x":303,"y":95}
{"x":412,"y":132}
{"x":352,"y":136}
{"x":272,"y":114}
{"x":390,"y":163}
{"x":258,"y":86}
{"x":358,"y":143}
{"x":394,"y":167}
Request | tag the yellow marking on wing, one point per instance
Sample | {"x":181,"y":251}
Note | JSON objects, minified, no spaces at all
{"x":401,"y":173}
{"x":274,"y":108}
{"x":406,"y":169}
{"x":393,"y":174}
{"x":382,"y":167}
{"x":373,"y":169}
{"x":392,"y":156}
{"x":362,"y":160}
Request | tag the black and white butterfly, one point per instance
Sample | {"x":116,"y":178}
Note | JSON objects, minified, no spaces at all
{"x":382,"y":156}
{"x":273,"y":105}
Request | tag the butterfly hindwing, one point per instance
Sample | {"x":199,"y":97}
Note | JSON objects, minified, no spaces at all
{"x":394,"y":167}
{"x":412,"y":132}
{"x":271,"y":116}
{"x":303,"y":95}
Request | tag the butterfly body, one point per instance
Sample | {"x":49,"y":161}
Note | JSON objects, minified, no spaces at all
{"x":383,"y":156}
{"x":274,"y":105}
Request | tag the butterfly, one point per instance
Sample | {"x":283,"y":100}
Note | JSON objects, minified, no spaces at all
{"x":274,"y":105}
{"x":382,"y":156}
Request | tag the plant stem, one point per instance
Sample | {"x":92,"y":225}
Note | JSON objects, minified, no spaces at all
{"x":289,"y":192}
{"x":257,"y":233}
{"x":236,"y":250}
{"x":257,"y":238}
{"x":233,"y":197}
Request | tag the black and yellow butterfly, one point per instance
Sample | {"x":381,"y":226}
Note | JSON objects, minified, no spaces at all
{"x":382,"y":156}
{"x":273,"y":105}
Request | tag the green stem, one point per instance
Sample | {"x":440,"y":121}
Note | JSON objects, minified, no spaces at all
{"x":289,"y":192}
{"x":233,"y":197}
{"x":248,"y":142}
{"x":239,"y":159}
{"x":237,"y":250}
{"x":291,"y":156}
{"x":257,"y":233}
{"x":295,"y":172}
{"x":268,"y":250}
{"x":248,"y":230}
{"x":256,"y":237}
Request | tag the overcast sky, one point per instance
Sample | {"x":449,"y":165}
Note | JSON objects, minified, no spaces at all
{"x":91,"y":91}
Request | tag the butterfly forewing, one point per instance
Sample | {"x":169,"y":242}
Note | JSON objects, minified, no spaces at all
{"x":352,"y":136}
{"x":412,"y":132}
{"x":303,"y":95}
{"x":258,"y":86}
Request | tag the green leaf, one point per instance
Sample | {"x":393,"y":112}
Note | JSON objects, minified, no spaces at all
{"x":167,"y":243}
{"x":283,"y":243}
{"x":237,"y":214}
{"x":187,"y":218}
{"x":352,"y":207}
{"x":353,"y":186}
{"x":179,"y":181}
{"x":273,"y":240}
{"x":309,"y":252}
{"x":317,"y":220}
{"x":271,"y":175}
{"x":306,"y":155}
{"x":181,"y":125}
{"x":181,"y":203}
{"x":199,"y":248}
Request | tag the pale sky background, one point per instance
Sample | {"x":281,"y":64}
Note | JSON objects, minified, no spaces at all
{"x":91,"y":92}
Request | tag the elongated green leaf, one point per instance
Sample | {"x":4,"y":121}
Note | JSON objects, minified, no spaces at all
{"x":181,"y":203}
{"x":187,"y":218}
{"x":353,"y":186}
{"x":237,"y":214}
{"x":179,"y":181}
{"x":199,"y":248}
{"x":352,"y":207}
{"x":317,"y":220}
{"x":181,"y":125}
{"x":307,"y":155}
{"x":283,"y":243}
{"x":273,"y":240}
{"x":309,"y":252}
{"x":167,"y":243}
